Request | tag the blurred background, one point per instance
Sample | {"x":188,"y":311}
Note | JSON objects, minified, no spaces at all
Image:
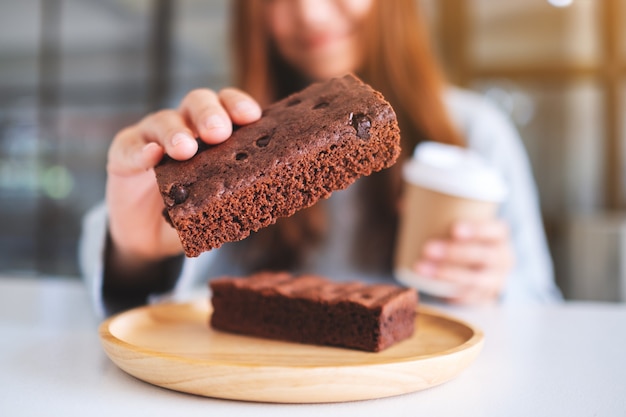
{"x":73,"y":72}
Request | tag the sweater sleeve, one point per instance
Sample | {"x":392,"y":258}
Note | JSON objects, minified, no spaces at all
{"x":186,"y":276}
{"x":91,"y":254}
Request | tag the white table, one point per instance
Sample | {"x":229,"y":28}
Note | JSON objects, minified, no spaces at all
{"x":567,"y":360}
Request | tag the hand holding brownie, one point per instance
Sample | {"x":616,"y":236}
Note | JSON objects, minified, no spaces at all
{"x":139,"y":235}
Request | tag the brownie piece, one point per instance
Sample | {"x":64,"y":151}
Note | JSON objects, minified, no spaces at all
{"x":306,"y":146}
{"x":314,"y":310}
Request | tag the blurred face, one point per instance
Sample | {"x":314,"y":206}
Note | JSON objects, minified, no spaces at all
{"x":320,"y":38}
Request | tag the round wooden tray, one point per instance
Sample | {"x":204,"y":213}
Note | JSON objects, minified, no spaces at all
{"x":172,"y":346}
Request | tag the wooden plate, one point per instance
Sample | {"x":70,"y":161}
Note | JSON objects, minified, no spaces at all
{"x":172,"y":346}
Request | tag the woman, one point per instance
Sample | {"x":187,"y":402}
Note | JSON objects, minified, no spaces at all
{"x":279,"y":47}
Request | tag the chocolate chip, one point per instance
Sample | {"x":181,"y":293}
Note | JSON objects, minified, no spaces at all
{"x":179,"y":193}
{"x":321,"y":105}
{"x":362,"y":124}
{"x":263,"y":141}
{"x":293,"y":102}
{"x":241,"y":156}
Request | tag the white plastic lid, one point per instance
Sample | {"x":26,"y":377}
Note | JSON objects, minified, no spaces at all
{"x":455,"y":171}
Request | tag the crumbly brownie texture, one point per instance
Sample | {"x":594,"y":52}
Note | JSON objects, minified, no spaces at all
{"x":306,"y":146}
{"x":314,"y":310}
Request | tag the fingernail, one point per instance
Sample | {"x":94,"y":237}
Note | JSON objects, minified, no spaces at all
{"x":245,"y":108}
{"x":435,"y":250}
{"x":425,"y":268}
{"x":215,"y":122}
{"x":148,"y":147}
{"x":463,"y":230}
{"x":179,"y":138}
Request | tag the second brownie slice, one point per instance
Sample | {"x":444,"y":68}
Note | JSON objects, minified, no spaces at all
{"x":314,"y":310}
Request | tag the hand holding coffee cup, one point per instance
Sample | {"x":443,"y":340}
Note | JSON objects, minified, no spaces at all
{"x":444,"y":185}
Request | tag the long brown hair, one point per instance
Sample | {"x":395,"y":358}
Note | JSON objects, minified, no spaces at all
{"x":397,"y":61}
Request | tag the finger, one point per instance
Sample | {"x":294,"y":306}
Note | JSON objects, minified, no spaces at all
{"x":129,"y":154}
{"x":471,"y":286}
{"x":467,"y":254}
{"x":496,"y":256}
{"x":476,"y":296}
{"x":169,"y":129}
{"x":472,"y":279}
{"x":435,"y":249}
{"x":241,"y":107}
{"x":478,"y":289}
{"x":455,"y":274}
{"x":491,"y":230}
{"x":204,"y":112}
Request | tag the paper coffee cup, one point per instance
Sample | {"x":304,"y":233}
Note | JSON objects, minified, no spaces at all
{"x":442,"y":184}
